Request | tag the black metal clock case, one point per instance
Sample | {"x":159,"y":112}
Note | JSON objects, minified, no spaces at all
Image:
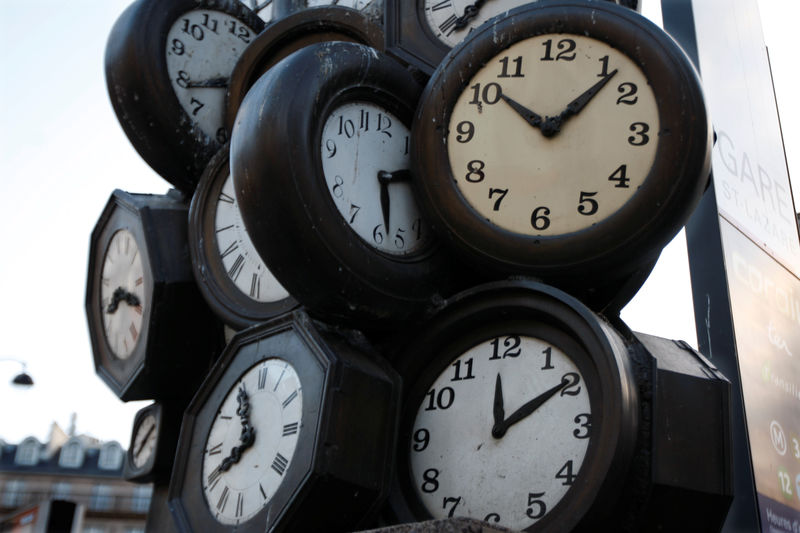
{"x":625,"y":241}
{"x":661,"y":460}
{"x":291,"y":33}
{"x":139,"y":87}
{"x":276,"y":164}
{"x":341,"y":469}
{"x":180,"y":336}
{"x":159,"y":464}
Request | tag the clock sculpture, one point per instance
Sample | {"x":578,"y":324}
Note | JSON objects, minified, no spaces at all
{"x":328,"y":200}
{"x":148,"y":324}
{"x":299,"y":29}
{"x":264,"y":444}
{"x":168,"y":65}
{"x":421,"y":32}
{"x":572,"y":155}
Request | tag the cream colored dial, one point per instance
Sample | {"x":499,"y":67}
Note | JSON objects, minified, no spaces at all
{"x":122,"y":295}
{"x":553,"y":135}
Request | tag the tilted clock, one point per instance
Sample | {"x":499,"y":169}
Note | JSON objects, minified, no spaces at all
{"x":293,"y":430}
{"x":168,"y":65}
{"x":148,"y":324}
{"x":573,"y":156}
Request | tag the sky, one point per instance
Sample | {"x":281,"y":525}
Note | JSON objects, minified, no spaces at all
{"x":63,"y":152}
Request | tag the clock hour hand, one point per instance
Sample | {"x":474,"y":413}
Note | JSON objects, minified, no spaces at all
{"x":144,"y":440}
{"x":534,"y":119}
{"x":121,"y":295}
{"x":213,"y":83}
{"x":498,"y":430}
{"x":470,"y":12}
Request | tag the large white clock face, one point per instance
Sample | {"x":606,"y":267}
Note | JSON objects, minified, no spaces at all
{"x":452,"y":20}
{"x":501,"y":433}
{"x":242,"y":469}
{"x":364,"y":151}
{"x":243,"y":264}
{"x":144,"y":442}
{"x":122,"y":294}
{"x":202,"y":47}
{"x":553,"y":135}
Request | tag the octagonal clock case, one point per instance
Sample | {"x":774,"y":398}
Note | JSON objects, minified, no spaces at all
{"x":293,"y":430}
{"x":319,"y":158}
{"x":149,"y":326}
{"x":567,"y":141}
{"x":168,"y":65}
{"x":520,"y":408}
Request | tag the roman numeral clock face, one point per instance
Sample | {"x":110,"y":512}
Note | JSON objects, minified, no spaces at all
{"x":252,"y":441}
{"x":122,"y":295}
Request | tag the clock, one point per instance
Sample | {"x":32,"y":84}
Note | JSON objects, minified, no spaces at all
{"x":287,"y":7}
{"x":329,"y":200}
{"x":571,"y":156}
{"x":520,"y":409}
{"x":231,"y":275}
{"x":290,"y":33}
{"x":421,"y":32}
{"x":167,"y":67}
{"x":292,"y":431}
{"x":265,"y":9}
{"x":148,"y":323}
{"x":153,"y":440}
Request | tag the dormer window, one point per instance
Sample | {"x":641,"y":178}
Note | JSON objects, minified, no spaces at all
{"x":110,"y":456}
{"x":28,"y":452}
{"x":71,"y":454}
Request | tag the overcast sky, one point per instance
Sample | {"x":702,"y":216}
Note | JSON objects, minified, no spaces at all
{"x":63,"y":152}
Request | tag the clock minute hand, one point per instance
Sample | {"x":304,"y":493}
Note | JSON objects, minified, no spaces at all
{"x":498,"y":430}
{"x":576,"y":105}
{"x":384,"y":178}
{"x":213,"y":83}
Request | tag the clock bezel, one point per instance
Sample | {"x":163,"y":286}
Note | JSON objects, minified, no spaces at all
{"x":533,"y":309}
{"x":223,"y":296}
{"x":142,"y":95}
{"x":323,"y":263}
{"x":664,"y":201}
{"x":291,"y":33}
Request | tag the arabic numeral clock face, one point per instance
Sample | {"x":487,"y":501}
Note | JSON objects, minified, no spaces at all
{"x":252,"y":441}
{"x":494,"y":129}
{"x":200,"y":85}
{"x":530,"y":422}
{"x":122,"y":295}
{"x":572,"y":154}
{"x":364,"y":150}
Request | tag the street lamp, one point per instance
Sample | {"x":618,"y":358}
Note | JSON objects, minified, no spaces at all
{"x":23,"y":379}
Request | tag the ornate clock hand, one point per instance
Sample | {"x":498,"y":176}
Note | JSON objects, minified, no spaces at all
{"x":470,"y":12}
{"x":383,"y":179}
{"x":498,"y":430}
{"x":121,"y":295}
{"x":498,"y":411}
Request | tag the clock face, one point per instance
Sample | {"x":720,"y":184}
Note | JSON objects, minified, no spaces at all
{"x":450,"y":21}
{"x":553,"y":135}
{"x":202,"y":47}
{"x":144,"y":443}
{"x":122,"y":296}
{"x":241,"y":261}
{"x":252,"y":441}
{"x":501,"y":434}
{"x":364,"y":151}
